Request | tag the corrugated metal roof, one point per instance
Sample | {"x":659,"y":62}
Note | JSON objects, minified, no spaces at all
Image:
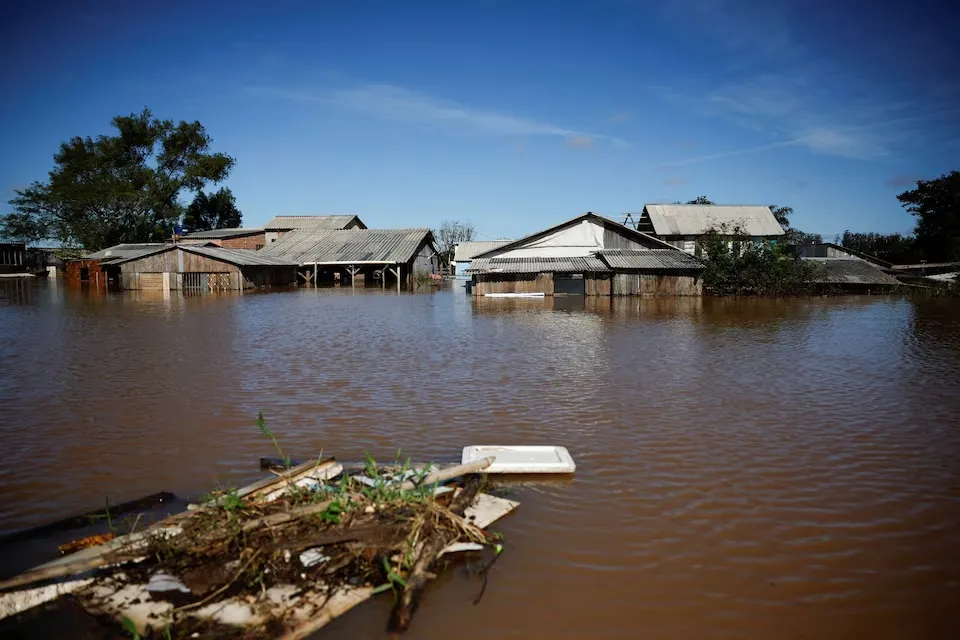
{"x":850,"y":271}
{"x":353,"y":245}
{"x":130,"y":249}
{"x":283,"y":223}
{"x":694,"y":219}
{"x":221,"y":233}
{"x":241,"y":257}
{"x":657,"y":259}
{"x":538,"y":265}
{"x":467,"y":250}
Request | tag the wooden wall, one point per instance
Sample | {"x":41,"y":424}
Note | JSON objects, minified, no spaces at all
{"x":646,"y":284}
{"x":597,"y":284}
{"x":514,"y":283}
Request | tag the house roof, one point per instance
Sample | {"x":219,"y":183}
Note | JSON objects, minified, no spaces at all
{"x":538,"y":265}
{"x":695,"y":219}
{"x":125,"y":250}
{"x":658,"y":259}
{"x":850,"y":271}
{"x":467,"y":250}
{"x":325,"y":246}
{"x":216,"y":234}
{"x":239,"y":257}
{"x":633,"y":234}
{"x":286,"y":223}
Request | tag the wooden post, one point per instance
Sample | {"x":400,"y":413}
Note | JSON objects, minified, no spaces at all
{"x":398,"y":278}
{"x":315,"y":278}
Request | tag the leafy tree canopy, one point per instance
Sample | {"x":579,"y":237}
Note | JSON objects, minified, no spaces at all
{"x":891,"y":247}
{"x":117,"y":188}
{"x":701,"y":200}
{"x":936,"y":204}
{"x":214,"y":211}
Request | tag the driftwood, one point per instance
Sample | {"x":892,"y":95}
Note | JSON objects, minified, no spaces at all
{"x":406,"y":606}
{"x":448,"y":474}
{"x":75,"y":522}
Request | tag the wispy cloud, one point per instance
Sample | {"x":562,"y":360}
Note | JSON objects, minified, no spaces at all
{"x":781,"y":89}
{"x":389,"y":102}
{"x":675,"y":181}
{"x":902,"y":180}
{"x":580,"y":142}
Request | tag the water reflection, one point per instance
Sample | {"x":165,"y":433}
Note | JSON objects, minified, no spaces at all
{"x":744,"y":466}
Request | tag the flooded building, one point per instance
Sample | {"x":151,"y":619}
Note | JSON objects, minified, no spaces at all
{"x":252,"y":239}
{"x":387,"y":257}
{"x":13,"y":257}
{"x":589,"y":255}
{"x":681,"y":224}
{"x":171,"y":267}
{"x":464,"y":252}
{"x":285,"y":224}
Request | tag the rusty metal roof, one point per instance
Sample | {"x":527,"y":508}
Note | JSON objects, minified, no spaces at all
{"x":538,"y":265}
{"x":285,"y":223}
{"x":652,"y":259}
{"x":240,"y":257}
{"x":386,"y":246}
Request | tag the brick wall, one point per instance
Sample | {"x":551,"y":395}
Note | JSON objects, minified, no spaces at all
{"x":95,"y":277}
{"x":255,"y":241}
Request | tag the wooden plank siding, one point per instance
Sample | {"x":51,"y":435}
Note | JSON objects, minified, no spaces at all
{"x":647,"y":284}
{"x":514,"y":283}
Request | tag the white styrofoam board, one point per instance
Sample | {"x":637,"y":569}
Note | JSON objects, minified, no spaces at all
{"x":521,"y":458}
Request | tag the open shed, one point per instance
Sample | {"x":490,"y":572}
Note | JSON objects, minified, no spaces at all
{"x":199,"y":269}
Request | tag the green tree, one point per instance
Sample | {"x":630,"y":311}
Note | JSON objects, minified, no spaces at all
{"x":892,"y":247}
{"x":701,"y":200}
{"x":782,"y":214}
{"x":118,"y":188}
{"x":936,"y":204}
{"x":735,"y":265}
{"x":214,"y":211}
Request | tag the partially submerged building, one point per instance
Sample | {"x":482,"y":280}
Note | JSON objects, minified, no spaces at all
{"x":285,"y":224}
{"x":850,"y":274}
{"x":252,"y":239}
{"x":464,"y":252}
{"x":188,"y":268}
{"x":13,"y":257}
{"x":387,"y":257}
{"x":682,"y":224}
{"x":588,"y":255}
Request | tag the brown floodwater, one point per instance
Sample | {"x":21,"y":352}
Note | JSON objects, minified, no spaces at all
{"x":746,"y":468}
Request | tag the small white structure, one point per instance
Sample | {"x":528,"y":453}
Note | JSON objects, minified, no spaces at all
{"x":464,"y":252}
{"x":521,"y":458}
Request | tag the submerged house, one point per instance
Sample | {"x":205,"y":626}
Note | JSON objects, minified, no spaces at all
{"x":464,"y":252}
{"x":13,"y":257}
{"x":252,"y":239}
{"x":839,"y":267}
{"x":588,"y":255}
{"x":280,"y":225}
{"x":359,"y":257}
{"x":188,"y":268}
{"x":681,"y":224}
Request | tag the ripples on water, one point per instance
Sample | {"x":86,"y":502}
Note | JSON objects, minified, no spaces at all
{"x":752,"y":468}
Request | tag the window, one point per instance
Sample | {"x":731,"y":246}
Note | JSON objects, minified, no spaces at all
{"x":259,"y":246}
{"x":84,"y":274}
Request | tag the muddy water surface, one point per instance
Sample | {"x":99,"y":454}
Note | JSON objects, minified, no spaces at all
{"x":747,"y":469}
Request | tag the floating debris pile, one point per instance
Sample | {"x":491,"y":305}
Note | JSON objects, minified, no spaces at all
{"x":280,"y":558}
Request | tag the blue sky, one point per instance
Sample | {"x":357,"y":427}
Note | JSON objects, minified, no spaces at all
{"x":512,"y":115}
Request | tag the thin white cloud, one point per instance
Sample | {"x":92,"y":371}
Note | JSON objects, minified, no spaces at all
{"x":581,"y":142}
{"x":388,"y":102}
{"x":777,"y":86}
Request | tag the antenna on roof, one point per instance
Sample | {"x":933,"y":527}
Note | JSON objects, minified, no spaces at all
{"x":628,"y":221}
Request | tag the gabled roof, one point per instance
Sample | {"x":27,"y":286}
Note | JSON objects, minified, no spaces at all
{"x":126,"y":249}
{"x":695,"y":219}
{"x":849,"y":271}
{"x":588,"y":264}
{"x":467,"y":250}
{"x":238,"y":257}
{"x":217,"y":234}
{"x":287,"y":223}
{"x":383,"y":246}
{"x":654,"y":259}
{"x":632,"y":234}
